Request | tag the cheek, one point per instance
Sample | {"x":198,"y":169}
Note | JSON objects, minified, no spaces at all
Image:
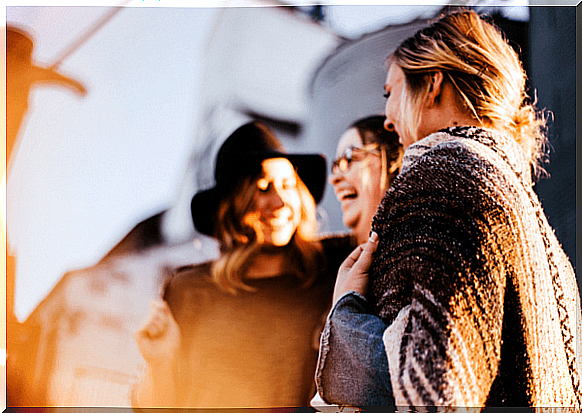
{"x":295,"y":204}
{"x":292,"y":200}
{"x":367,"y":179}
{"x":389,"y":109}
{"x":259,"y":205}
{"x":371,"y":184}
{"x":354,"y":177}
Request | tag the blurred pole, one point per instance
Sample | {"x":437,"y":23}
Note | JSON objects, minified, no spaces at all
{"x":75,"y":45}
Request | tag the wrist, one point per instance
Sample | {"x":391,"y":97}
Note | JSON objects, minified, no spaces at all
{"x":353,"y":299}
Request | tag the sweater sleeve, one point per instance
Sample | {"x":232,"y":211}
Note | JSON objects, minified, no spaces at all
{"x":438,"y":280}
{"x":352,"y":368}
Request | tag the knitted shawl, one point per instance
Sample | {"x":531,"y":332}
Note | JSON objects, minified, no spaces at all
{"x":481,"y":301}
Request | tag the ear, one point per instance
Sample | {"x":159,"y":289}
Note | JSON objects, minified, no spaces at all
{"x":435,"y":89}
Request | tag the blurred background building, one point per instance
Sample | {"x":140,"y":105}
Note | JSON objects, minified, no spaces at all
{"x":303,"y":70}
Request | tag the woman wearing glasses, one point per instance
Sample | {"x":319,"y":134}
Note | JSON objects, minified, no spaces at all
{"x":369,"y":157}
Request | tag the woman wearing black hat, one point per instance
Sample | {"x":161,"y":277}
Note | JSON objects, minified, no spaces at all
{"x":242,"y":331}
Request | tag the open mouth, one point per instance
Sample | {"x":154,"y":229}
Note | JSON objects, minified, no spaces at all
{"x":347,"y":195}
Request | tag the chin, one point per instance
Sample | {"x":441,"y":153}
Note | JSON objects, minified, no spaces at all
{"x":350,"y":223}
{"x":279,"y":240}
{"x":278,"y":243}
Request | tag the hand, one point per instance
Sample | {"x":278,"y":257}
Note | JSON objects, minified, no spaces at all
{"x":158,"y":337}
{"x":353,"y":273}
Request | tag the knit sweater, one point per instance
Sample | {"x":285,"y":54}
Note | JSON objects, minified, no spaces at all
{"x":480,"y":299}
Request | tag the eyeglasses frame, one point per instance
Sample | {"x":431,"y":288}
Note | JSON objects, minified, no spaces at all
{"x":343,"y":163}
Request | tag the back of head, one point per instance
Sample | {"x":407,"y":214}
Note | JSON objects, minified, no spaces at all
{"x":483,"y":68}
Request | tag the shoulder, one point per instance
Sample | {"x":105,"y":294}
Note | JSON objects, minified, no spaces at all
{"x":462,"y":165}
{"x":189,"y":285}
{"x":191,"y":275}
{"x":460,"y":173}
{"x":473,"y":150}
{"x":439,"y":147}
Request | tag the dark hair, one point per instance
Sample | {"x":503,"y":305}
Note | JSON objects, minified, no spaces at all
{"x":371,"y":130}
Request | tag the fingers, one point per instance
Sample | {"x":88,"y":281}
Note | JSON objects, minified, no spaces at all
{"x":353,"y":273}
{"x":157,"y":320}
{"x":352,"y":258}
{"x":365,"y":258}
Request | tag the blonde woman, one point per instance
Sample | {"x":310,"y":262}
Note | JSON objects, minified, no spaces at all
{"x":239,"y":331}
{"x":469,"y":300}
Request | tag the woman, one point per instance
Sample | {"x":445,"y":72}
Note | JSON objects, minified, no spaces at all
{"x":239,"y":331}
{"x":368,"y":159}
{"x":472,"y":300}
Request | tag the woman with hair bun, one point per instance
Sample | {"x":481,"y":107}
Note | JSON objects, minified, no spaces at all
{"x":463,"y":295}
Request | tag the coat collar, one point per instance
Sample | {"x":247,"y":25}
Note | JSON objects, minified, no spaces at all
{"x":477,"y":140}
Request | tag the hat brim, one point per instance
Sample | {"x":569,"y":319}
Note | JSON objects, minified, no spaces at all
{"x":311,"y":168}
{"x":204,"y":207}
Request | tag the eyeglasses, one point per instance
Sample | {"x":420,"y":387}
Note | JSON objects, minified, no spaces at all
{"x":353,"y":154}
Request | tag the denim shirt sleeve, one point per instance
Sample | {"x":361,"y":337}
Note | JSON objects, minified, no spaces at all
{"x":352,"y":367}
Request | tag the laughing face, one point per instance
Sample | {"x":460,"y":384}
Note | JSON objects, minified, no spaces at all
{"x":277,"y":212}
{"x":356,"y":183}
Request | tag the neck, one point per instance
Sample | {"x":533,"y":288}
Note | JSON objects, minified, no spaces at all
{"x":446,"y":113}
{"x":362,"y":234}
{"x":464,"y":120}
{"x":267,"y":264}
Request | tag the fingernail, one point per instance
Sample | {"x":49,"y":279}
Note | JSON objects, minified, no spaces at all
{"x":373,"y":237}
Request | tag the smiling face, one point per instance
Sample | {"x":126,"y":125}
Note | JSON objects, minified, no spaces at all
{"x":277,"y":211}
{"x":358,"y":190}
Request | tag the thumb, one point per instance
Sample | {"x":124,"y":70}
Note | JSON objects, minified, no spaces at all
{"x":367,"y":255}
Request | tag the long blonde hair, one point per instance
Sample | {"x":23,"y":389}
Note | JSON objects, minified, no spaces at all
{"x":485,"y":71}
{"x":240,"y":242}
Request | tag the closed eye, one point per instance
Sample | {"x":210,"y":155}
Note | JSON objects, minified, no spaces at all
{"x":289,"y":184}
{"x":263,"y":185}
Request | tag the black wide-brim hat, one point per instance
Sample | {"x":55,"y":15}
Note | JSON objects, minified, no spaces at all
{"x":241,"y":156}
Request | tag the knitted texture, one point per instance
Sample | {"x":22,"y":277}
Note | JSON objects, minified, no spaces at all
{"x":481,"y":301}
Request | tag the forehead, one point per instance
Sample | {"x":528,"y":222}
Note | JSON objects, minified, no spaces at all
{"x":350,"y":137}
{"x":277,"y":168}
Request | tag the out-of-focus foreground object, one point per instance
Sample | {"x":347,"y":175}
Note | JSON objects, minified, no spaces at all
{"x":21,"y":75}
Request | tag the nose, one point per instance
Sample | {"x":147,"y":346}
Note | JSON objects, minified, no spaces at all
{"x":389,"y":126}
{"x":335,"y":178}
{"x":275,"y":200}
